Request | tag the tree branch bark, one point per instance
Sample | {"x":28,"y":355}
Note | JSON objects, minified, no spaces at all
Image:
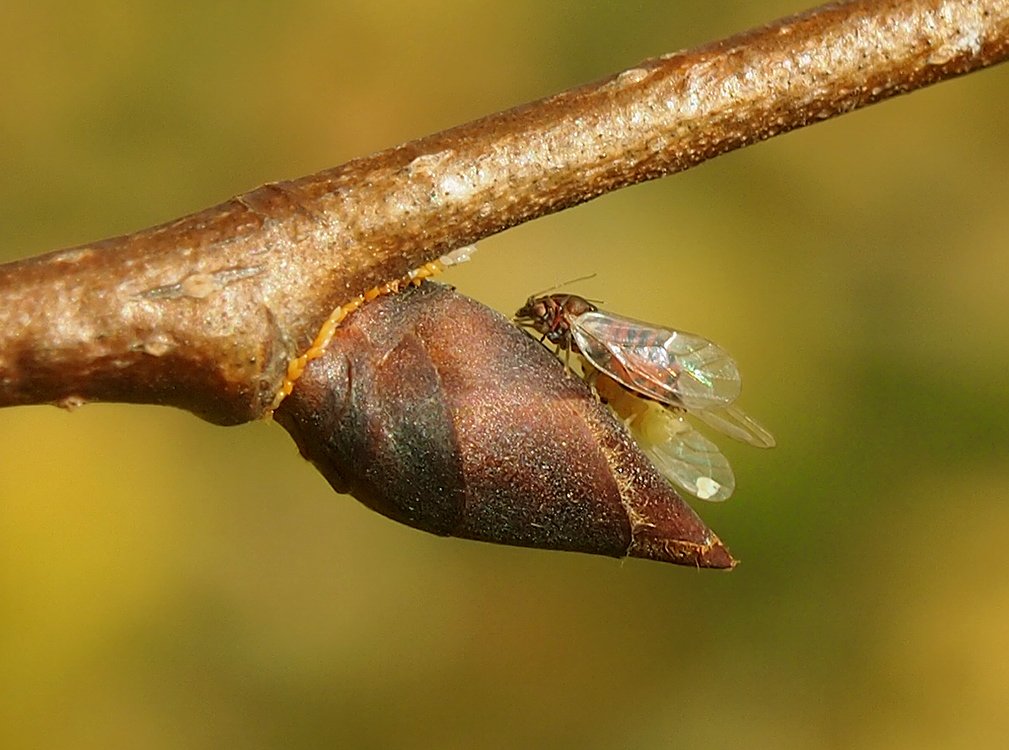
{"x":205,"y":312}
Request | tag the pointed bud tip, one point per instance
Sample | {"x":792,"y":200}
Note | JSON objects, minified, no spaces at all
{"x":712,"y":554}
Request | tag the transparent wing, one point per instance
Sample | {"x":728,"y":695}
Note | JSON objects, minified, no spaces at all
{"x":673,"y":367}
{"x":680,"y":453}
{"x":686,"y":458}
{"x":732,"y":421}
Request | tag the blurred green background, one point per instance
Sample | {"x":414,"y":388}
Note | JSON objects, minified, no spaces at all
{"x":165,"y":583}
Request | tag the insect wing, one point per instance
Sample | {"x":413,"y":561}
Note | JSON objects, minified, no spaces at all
{"x":685,"y":457}
{"x":732,"y":421}
{"x":673,"y":367}
{"x":680,"y":453}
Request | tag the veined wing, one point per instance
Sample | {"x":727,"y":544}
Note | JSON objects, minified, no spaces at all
{"x":732,"y":421}
{"x":680,"y":453}
{"x":670,"y":366}
{"x":694,"y":463}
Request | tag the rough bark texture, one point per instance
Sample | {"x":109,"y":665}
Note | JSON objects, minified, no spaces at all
{"x":204,"y":313}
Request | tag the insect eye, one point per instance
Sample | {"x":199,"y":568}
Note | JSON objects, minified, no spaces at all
{"x":539,"y":310}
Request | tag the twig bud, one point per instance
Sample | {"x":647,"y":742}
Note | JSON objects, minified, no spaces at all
{"x":437,"y":412}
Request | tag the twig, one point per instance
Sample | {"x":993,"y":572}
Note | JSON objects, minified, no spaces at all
{"x":204,"y":313}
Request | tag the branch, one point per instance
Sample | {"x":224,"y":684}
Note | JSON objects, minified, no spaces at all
{"x":205,"y":312}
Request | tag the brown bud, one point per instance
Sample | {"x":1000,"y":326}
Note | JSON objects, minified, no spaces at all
{"x":437,"y":412}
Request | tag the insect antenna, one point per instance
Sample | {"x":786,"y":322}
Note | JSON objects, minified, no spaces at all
{"x":555,"y":287}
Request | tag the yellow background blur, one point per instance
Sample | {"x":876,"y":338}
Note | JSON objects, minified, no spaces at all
{"x":165,"y":583}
